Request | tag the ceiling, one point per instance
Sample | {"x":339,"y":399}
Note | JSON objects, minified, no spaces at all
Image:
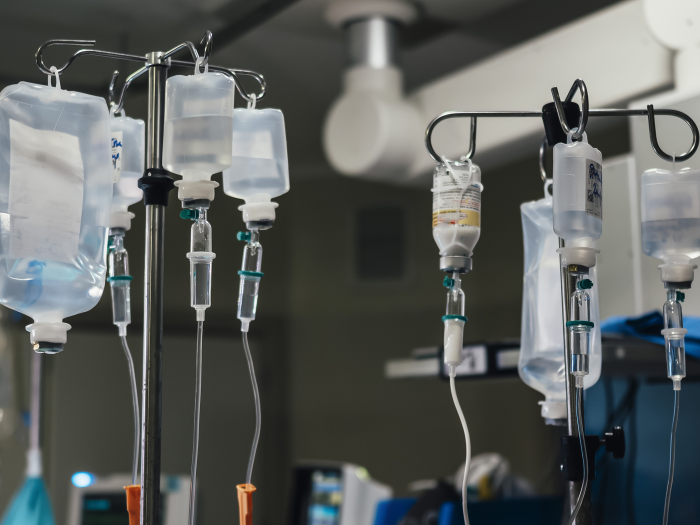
{"x":288,"y":41}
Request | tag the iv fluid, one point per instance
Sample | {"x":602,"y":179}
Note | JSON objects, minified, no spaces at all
{"x":259,"y":162}
{"x":671,"y":213}
{"x":670,"y":237}
{"x":541,"y":363}
{"x":56,"y":189}
{"x":200,"y":144}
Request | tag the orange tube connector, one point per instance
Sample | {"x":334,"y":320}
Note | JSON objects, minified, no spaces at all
{"x":245,"y":503}
{"x":133,"y":503}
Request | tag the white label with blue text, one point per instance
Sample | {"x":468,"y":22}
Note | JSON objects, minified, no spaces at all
{"x":117,"y":137}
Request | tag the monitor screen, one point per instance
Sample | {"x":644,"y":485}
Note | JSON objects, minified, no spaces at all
{"x":325,"y":498}
{"x":107,"y":508}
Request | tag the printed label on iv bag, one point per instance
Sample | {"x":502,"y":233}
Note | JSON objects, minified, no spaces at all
{"x":117,"y":137}
{"x":594,"y":189}
{"x":46,"y":194}
{"x":448,"y":207}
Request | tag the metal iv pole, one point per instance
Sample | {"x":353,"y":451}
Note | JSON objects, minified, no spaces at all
{"x":560,"y":116}
{"x":156,"y":184}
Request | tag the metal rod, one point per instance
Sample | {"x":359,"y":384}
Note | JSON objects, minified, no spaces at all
{"x":567,"y":283}
{"x":153,"y":306}
{"x":35,"y":403}
{"x":650,"y":114}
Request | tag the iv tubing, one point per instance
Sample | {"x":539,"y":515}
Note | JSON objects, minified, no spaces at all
{"x":466,"y":438}
{"x":672,"y":465}
{"x":584,"y":453}
{"x":256,"y":395}
{"x":137,"y":419}
{"x":195,"y":436}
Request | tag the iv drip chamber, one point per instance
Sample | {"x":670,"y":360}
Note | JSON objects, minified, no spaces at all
{"x":456,"y":213}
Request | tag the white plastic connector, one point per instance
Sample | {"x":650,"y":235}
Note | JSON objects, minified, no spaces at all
{"x":121,"y":219}
{"x":200,"y":314}
{"x":258,"y":207}
{"x":579,"y":251}
{"x":48,"y":332}
{"x":189,"y":190}
{"x":454,"y":336}
{"x":677,"y":272}
{"x":579,"y":381}
{"x":245,"y":323}
{"x":34,"y":467}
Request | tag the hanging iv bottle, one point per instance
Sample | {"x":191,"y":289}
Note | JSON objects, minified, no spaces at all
{"x":54,"y":216}
{"x":578,"y":192}
{"x":128,"y":142}
{"x":456,"y":213}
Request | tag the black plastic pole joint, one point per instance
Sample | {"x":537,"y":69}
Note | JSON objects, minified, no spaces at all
{"x":156,"y":184}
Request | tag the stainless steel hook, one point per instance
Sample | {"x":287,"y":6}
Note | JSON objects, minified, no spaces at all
{"x":110,"y":97}
{"x":208,"y":41}
{"x":655,"y":143}
{"x":579,"y":85}
{"x":95,"y":52}
{"x":543,"y":152}
{"x":136,"y":74}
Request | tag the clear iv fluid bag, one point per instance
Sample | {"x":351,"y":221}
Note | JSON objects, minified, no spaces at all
{"x":671,"y":213}
{"x":259,"y":162}
{"x":128,"y":142}
{"x":541,"y":364}
{"x":578,"y":190}
{"x":198,"y":125}
{"x":457,"y":208}
{"x":55,"y":195}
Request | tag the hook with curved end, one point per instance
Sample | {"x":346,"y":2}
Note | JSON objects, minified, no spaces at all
{"x":579,"y":85}
{"x":655,"y":143}
{"x":185,"y":45}
{"x":117,"y":107}
{"x":543,"y":152}
{"x":208,"y":41}
{"x":429,"y":137}
{"x":110,"y":97}
{"x":58,"y":42}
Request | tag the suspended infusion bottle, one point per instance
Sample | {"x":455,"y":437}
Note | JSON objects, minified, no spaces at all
{"x":456,"y":213}
{"x":128,"y":141}
{"x":541,"y":363}
{"x":55,"y":196}
{"x":578,"y":199}
{"x":197,"y":132}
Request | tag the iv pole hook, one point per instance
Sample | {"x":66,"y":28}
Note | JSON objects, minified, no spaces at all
{"x":579,"y":85}
{"x":655,"y":143}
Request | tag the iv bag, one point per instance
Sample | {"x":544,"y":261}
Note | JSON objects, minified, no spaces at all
{"x":259,"y":163}
{"x":128,"y":142}
{"x":541,"y":363}
{"x":55,"y":195}
{"x":198,"y":124}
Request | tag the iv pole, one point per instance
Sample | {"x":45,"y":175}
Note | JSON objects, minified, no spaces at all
{"x":156,"y":184}
{"x":584,"y":516}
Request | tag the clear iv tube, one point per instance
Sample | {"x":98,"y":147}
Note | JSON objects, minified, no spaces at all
{"x":258,"y":416}
{"x":137,"y":419}
{"x":468,"y":441}
{"x":584,"y":453}
{"x":195,"y":435}
{"x":672,"y":462}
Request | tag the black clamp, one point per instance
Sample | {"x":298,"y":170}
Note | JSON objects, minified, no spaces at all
{"x":156,"y":184}
{"x":572,"y":463}
{"x":552,"y":127}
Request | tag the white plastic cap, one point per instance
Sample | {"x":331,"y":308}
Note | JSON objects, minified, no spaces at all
{"x":673,"y":272}
{"x":258,"y":207}
{"x":34,"y":467}
{"x":196,"y":189}
{"x":48,"y":332}
{"x":121,"y":219}
{"x":580,"y":251}
{"x":553,"y":409}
